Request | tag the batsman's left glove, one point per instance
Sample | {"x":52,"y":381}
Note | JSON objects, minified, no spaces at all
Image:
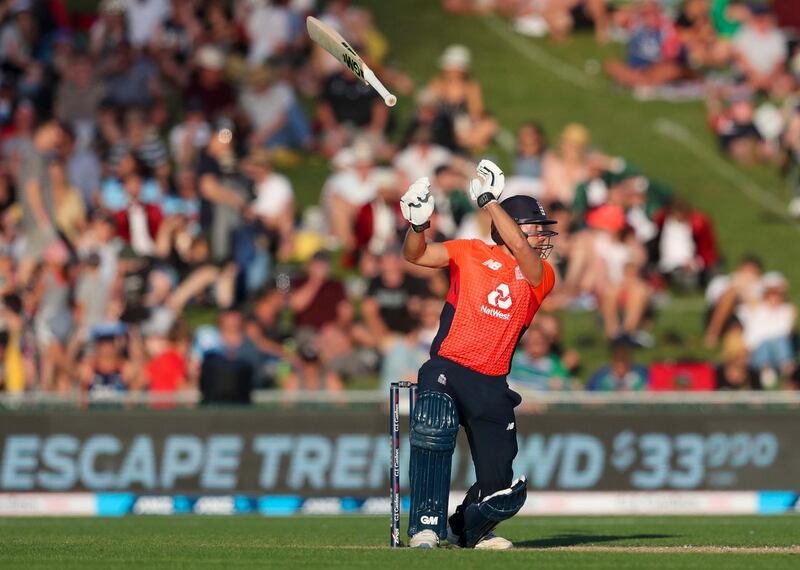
{"x":489,"y":184}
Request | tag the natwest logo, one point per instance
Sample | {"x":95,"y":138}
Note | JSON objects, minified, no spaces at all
{"x":500,"y":297}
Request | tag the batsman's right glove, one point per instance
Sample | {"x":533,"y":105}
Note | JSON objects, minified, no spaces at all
{"x":489,"y":184}
{"x":417,"y":204}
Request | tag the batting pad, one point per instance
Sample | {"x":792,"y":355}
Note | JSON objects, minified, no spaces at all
{"x":434,"y":427}
{"x":481,"y":518}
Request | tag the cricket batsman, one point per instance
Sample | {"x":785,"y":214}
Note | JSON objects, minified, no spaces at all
{"x":495,"y":290}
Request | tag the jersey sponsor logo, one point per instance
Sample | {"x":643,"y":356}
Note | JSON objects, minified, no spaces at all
{"x":425,"y":519}
{"x":500,"y":297}
{"x":495,"y":313}
{"x":492,"y":264}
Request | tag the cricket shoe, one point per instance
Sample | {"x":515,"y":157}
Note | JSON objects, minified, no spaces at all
{"x":489,"y":542}
{"x":424,"y":539}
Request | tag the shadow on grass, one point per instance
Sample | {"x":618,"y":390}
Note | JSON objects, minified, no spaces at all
{"x":575,"y":539}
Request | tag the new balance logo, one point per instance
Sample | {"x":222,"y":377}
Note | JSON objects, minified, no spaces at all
{"x":442,"y":379}
{"x":425,"y":519}
{"x":510,"y":426}
{"x":492,"y":264}
{"x":500,"y":297}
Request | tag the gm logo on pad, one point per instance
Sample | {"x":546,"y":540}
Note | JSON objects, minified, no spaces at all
{"x":425,"y":519}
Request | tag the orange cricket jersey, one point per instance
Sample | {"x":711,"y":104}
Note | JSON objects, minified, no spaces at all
{"x":489,"y":306}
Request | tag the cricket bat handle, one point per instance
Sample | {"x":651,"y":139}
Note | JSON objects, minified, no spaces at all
{"x":370,"y":77}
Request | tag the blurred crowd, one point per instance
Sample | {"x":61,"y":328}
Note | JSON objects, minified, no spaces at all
{"x":741,"y":56}
{"x":140,"y":195}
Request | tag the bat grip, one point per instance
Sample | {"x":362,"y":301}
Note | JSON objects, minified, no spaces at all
{"x":388,"y":98}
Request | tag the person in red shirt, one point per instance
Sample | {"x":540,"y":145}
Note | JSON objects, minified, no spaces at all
{"x":495,"y":291}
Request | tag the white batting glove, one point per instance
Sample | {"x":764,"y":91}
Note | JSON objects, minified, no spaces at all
{"x":489,"y":184}
{"x":417,"y":204}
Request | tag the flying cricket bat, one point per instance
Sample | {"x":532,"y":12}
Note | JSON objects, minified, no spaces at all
{"x":332,"y":42}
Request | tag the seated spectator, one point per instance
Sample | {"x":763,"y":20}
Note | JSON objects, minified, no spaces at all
{"x":273,"y":112}
{"x":379,"y":224}
{"x":652,"y":51}
{"x":70,"y":212}
{"x":141,"y":139}
{"x":165,"y":369}
{"x":351,"y":187}
{"x":16,"y":141}
{"x":402,"y":360}
{"x":567,"y":166}
{"x":687,"y":248}
{"x":209,"y":86}
{"x":460,"y":97}
{"x":108,"y":31}
{"x":273,"y":206}
{"x":734,"y":372}
{"x":557,"y":18}
{"x":702,"y":47}
{"x":393,"y":300}
{"x":189,"y":137}
{"x":760,"y":50}
{"x":736,"y":131}
{"x":78,"y":97}
{"x":138,"y":223}
{"x":768,"y":326}
{"x":264,"y":330}
{"x":317,"y":301}
{"x":726,"y":292}
{"x":131,"y":79}
{"x":427,"y":114}
{"x":421,"y":157}
{"x":531,"y":147}
{"x":535,"y":366}
{"x":453,"y":205}
{"x":106,"y":369}
{"x":622,"y":375}
{"x":173,"y":40}
{"x":349,"y":109}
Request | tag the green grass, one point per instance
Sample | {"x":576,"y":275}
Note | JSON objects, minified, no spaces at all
{"x":359,"y":542}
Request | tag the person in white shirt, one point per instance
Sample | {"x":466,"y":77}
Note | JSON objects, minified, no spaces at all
{"x":144,"y":17}
{"x":346,"y":191}
{"x":422,"y":157}
{"x":768,"y":326}
{"x":273,"y":205}
{"x":760,"y":50}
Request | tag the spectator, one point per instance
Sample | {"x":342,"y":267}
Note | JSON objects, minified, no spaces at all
{"x":531,"y":147}
{"x":131,"y":79}
{"x":563,"y":169}
{"x":393,"y":301}
{"x":144,"y":17}
{"x":83,"y":168}
{"x":273,"y":112}
{"x":109,"y":31}
{"x":37,"y":196}
{"x":188,"y":138}
{"x":652,"y":51}
{"x":348,"y":109}
{"x":17,"y":142}
{"x":760,"y":50}
{"x":726,"y":292}
{"x":736,"y":130}
{"x":264,"y":330}
{"x":421,"y":157}
{"x":687,"y":245}
{"x":208,"y":84}
{"x":622,"y":375}
{"x":166,"y":370}
{"x":768,"y":327}
{"x":461,"y":98}
{"x":222,"y":190}
{"x":403,"y":359}
{"x":78,"y":98}
{"x":734,"y":372}
{"x":142,"y":140}
{"x":379,"y":224}
{"x":227,"y":374}
{"x":18,"y":36}
{"x":138,"y":223}
{"x":428,"y":115}
{"x":105,"y":370}
{"x":535,"y":366}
